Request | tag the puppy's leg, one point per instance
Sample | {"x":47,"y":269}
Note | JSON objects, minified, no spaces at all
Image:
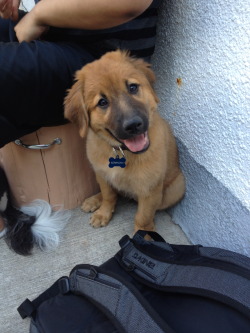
{"x":102,"y":216}
{"x":174,"y":192}
{"x":147,"y":206}
{"x":92,"y":203}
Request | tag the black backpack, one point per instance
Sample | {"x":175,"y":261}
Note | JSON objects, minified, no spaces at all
{"x":149,"y":287}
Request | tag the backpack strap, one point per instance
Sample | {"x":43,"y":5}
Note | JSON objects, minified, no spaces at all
{"x":28,"y":308}
{"x":118,"y":299}
{"x":182,"y":268}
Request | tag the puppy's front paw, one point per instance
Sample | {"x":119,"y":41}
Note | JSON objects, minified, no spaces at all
{"x":98,"y":219}
{"x":91,"y":204}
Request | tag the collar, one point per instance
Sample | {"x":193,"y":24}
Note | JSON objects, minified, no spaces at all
{"x":116,"y":151}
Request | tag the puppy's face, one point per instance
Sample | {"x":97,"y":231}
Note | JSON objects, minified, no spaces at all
{"x":115,"y":98}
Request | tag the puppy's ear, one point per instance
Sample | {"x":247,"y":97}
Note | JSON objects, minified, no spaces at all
{"x":75,"y":108}
{"x":145,"y":68}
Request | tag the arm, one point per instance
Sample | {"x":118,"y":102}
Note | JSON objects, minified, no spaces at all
{"x":79,"y":14}
{"x":9,"y":9}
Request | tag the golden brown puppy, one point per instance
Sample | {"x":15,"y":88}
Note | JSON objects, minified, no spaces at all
{"x":114,"y":104}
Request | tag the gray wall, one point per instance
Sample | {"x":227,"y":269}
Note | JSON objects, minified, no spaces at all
{"x":203,"y":81}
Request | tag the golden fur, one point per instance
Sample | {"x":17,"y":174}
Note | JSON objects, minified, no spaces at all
{"x":114,"y":104}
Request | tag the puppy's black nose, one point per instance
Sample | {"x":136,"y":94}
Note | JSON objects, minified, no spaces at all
{"x":133,"y":125}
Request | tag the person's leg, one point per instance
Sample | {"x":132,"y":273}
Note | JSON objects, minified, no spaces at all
{"x":34,"y":78}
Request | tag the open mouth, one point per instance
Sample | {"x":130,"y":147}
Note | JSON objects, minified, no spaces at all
{"x":138,"y":143}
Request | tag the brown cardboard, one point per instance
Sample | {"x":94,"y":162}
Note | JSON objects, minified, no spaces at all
{"x":60,"y":174}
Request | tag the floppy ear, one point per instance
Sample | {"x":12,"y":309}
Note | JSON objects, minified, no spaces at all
{"x":145,"y":68}
{"x":75,"y":108}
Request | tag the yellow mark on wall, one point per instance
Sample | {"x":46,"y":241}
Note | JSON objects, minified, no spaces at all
{"x":179,"y":81}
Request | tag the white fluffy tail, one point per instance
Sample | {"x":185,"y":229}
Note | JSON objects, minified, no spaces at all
{"x":48,"y":223}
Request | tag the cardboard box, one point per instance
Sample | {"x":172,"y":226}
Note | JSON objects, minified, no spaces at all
{"x":60,"y":174}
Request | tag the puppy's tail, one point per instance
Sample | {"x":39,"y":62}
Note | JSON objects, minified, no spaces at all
{"x":35,"y":224}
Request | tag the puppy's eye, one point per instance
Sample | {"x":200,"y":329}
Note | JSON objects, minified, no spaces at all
{"x":103,"y":103}
{"x":133,"y":88}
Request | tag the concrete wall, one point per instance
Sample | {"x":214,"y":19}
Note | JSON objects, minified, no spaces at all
{"x":202,"y":65}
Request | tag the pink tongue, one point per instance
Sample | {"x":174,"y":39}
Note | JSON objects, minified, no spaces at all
{"x":138,"y":143}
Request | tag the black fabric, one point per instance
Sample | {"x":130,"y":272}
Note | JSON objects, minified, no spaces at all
{"x":28,"y":308}
{"x":4,"y":189}
{"x":181,"y":308}
{"x":72,"y":313}
{"x":34,"y":78}
{"x":183,"y":312}
{"x":118,"y":298}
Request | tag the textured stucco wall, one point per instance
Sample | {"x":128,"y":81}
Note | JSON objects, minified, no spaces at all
{"x":205,"y":46}
{"x":210,"y":214}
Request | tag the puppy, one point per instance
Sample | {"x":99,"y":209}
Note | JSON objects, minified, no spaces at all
{"x":130,"y":147}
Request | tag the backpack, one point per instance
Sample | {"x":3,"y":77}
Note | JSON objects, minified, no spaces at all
{"x":149,"y":287}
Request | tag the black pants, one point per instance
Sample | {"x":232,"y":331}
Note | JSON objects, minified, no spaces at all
{"x":34,"y":78}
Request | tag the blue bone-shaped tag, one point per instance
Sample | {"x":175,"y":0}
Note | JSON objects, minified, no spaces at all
{"x":120,"y":162}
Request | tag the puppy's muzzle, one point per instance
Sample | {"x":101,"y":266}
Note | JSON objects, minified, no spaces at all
{"x":134,"y":126}
{"x":133,"y":133}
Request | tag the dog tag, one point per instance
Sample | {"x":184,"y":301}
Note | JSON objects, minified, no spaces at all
{"x":120,"y":162}
{"x":117,"y":161}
